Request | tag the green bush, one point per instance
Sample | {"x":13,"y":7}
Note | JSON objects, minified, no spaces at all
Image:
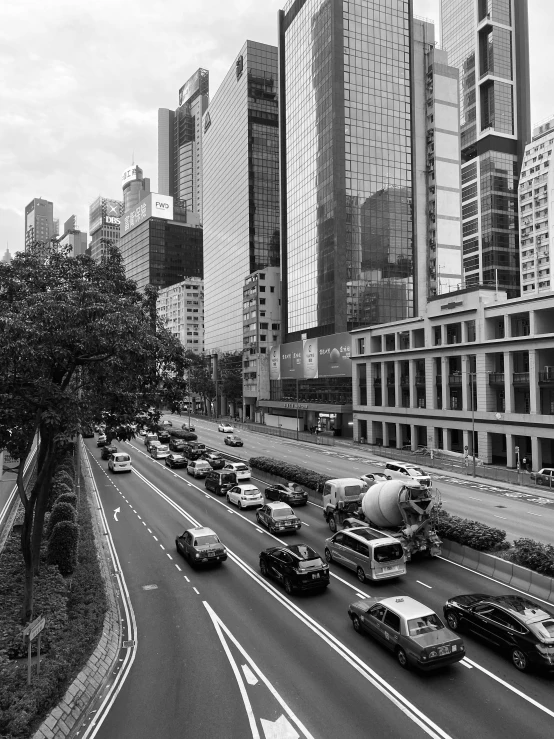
{"x":534,"y":555}
{"x":56,"y":490}
{"x":62,"y":545}
{"x":70,"y":498}
{"x":66,"y":464}
{"x":182,"y":434}
{"x":60,"y":512}
{"x":63,"y":476}
{"x":291,"y":472}
{"x":471,"y":533}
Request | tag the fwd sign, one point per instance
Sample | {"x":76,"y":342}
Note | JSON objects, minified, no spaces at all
{"x":163,"y":206}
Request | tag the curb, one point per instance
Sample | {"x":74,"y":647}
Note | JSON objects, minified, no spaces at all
{"x":67,"y":715}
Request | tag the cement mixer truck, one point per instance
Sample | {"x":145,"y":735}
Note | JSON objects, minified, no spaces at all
{"x":400,"y":509}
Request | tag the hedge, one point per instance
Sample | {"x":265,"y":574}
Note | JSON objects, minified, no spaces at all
{"x":471,"y":533}
{"x":57,"y":489}
{"x":181,"y":434}
{"x":533,"y":555}
{"x":60,"y":512}
{"x":62,"y":545}
{"x":66,"y":464}
{"x":70,"y":498}
{"x":63,"y":476}
{"x":291,"y":472}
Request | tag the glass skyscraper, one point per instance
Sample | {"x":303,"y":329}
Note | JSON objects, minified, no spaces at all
{"x":488,"y":40}
{"x":346,"y":167}
{"x":241,"y":190}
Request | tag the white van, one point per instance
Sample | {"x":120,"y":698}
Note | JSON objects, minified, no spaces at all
{"x":119,"y":462}
{"x":407,"y":471}
{"x":370,"y":553}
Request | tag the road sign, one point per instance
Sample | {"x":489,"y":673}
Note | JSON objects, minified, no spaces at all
{"x":37,"y":628}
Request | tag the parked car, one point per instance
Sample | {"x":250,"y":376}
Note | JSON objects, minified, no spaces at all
{"x":101,"y":440}
{"x":198,"y":467}
{"x":225,"y":428}
{"x":159,"y":451}
{"x":290,"y":493}
{"x":215,"y":459}
{"x":119,"y":462}
{"x":164,"y":437}
{"x":278,"y":518}
{"x":512,"y":623}
{"x":245,"y":496}
{"x":298,"y":567}
{"x":410,"y":629}
{"x":544,"y":476}
{"x":220,"y":481}
{"x":177,"y":445}
{"x":201,"y":546}
{"x":242,"y":471}
{"x":407,"y":471}
{"x":186,"y":427}
{"x":107,"y":450}
{"x":233,"y":440}
{"x":176,"y":460}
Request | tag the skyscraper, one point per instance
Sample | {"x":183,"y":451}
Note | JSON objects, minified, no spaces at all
{"x":135,"y":187}
{"x":39,"y":222}
{"x":104,"y":225}
{"x":180,"y":143}
{"x":488,"y":40}
{"x":72,"y":236}
{"x":241,"y":189}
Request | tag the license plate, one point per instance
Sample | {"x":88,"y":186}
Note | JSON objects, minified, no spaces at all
{"x":390,"y":569}
{"x":315,"y":575}
{"x":289,"y":524}
{"x":443,"y":650}
{"x":211,"y":554}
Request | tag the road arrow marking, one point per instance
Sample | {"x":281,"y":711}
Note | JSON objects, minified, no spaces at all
{"x":280,"y":729}
{"x":117,"y":510}
{"x":251,"y":679}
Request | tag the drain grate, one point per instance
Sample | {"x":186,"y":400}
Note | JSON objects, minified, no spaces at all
{"x":129,"y":643}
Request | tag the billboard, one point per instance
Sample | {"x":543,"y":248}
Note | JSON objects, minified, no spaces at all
{"x":154,"y":205}
{"x":132,"y":173}
{"x":326,"y":356}
{"x":191,"y":86}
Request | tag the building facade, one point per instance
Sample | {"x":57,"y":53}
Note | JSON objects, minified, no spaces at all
{"x":488,"y":40}
{"x":241,"y":189}
{"x":536,"y":218}
{"x":180,"y":134}
{"x":39,"y":222}
{"x":135,"y":187}
{"x":181,"y":307}
{"x":104,"y":225}
{"x":73,"y":237}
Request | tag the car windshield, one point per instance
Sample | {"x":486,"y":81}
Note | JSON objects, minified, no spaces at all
{"x":415,"y":472}
{"x":352,"y":491}
{"x":282,"y":512}
{"x":227,"y":478}
{"x":241,"y":467}
{"x":544,"y":629}
{"x":388,"y":552}
{"x":202,"y":541}
{"x":295,"y":488}
{"x":251,"y":492}
{"x":162,"y":448}
{"x":424,"y":625}
{"x":304,"y":551}
{"x":122,"y":458}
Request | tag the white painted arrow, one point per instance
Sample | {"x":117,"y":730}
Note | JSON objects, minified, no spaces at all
{"x":251,"y":679}
{"x":280,"y":729}
{"x":117,"y":510}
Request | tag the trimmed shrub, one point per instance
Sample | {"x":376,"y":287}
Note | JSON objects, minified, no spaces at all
{"x":181,"y":434}
{"x":533,"y":555}
{"x":291,"y":472}
{"x":60,"y":512}
{"x":471,"y":533}
{"x":63,"y":476}
{"x":62,"y":545}
{"x":70,"y":498}
{"x":67,"y":464}
{"x":56,"y":490}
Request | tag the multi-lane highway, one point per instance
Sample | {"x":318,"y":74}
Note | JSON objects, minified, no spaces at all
{"x":225,"y":653}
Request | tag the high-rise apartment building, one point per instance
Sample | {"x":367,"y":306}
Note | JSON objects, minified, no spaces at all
{"x":104,"y":225}
{"x":180,"y":135}
{"x":39,"y":222}
{"x":488,"y":40}
{"x":241,"y":189}
{"x":181,"y":307}
{"x":536,"y":215}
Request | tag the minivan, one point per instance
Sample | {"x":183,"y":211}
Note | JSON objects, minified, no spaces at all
{"x":198,"y":467}
{"x":406,"y":470}
{"x":370,"y":553}
{"x":219,"y":481}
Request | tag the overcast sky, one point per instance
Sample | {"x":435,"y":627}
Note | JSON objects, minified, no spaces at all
{"x":82,"y":82}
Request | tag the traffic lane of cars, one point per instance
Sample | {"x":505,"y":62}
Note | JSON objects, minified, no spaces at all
{"x":290,"y":654}
{"x":333,"y":616}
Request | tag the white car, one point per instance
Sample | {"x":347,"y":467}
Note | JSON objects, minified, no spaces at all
{"x":245,"y":496}
{"x":199,"y":467}
{"x":242,"y":471}
{"x":226,"y":428}
{"x":159,"y":451}
{"x":119,"y":462}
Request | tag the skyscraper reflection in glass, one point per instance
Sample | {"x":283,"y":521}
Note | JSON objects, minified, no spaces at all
{"x":346,"y":178}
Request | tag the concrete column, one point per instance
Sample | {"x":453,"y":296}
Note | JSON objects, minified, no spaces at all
{"x":385,"y":434}
{"x":384,"y":392}
{"x":370,"y":431}
{"x":464,"y":333}
{"x":411,"y":372}
{"x":399,"y":439}
{"x":511,"y":459}
{"x":532,"y":325}
{"x":482,"y":383}
{"x":466,"y":398}
{"x":536,"y":453}
{"x":397,"y":388}
{"x":430,"y":389}
{"x":431,"y":437}
{"x":485,"y":446}
{"x":445,"y":395}
{"x":533,"y":382}
{"x":413,"y":433}
{"x":509,"y":382}
{"x":370,"y":384}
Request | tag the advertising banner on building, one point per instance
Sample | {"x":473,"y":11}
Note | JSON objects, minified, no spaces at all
{"x":275,"y":363}
{"x":309,"y":358}
{"x":153,"y":205}
{"x":131,"y":173}
{"x":334,"y":355}
{"x":189,"y":88}
{"x":291,"y":360}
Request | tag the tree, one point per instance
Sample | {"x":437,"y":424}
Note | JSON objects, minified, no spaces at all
{"x":200,"y":377}
{"x":230,"y":373}
{"x":77,"y":339}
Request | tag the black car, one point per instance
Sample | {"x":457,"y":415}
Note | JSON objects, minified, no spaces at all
{"x":215,"y":459}
{"x":175,"y":459}
{"x":193,"y":450}
{"x":220,"y":481}
{"x":107,"y":450}
{"x":177,"y":445}
{"x":298,"y":567}
{"x":164,"y":437}
{"x":233,"y":440}
{"x":512,"y":623}
{"x":291,"y":493}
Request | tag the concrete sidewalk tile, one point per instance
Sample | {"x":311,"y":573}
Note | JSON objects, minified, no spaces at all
{"x":62,"y":726}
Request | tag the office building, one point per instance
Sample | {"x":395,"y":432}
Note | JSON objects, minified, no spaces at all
{"x":488,"y":40}
{"x":104,"y":225}
{"x":241,"y":189}
{"x":73,"y":237}
{"x":135,"y":187}
{"x":180,"y":135}
{"x":181,"y":307}
{"x":160,"y":242}
{"x":536,"y":217}
{"x":39,"y":222}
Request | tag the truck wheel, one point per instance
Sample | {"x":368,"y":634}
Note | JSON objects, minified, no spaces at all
{"x":332,"y":524}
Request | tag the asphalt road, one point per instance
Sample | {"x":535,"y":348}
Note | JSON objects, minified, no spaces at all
{"x":224,"y":653}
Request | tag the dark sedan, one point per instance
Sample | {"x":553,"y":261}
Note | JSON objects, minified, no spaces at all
{"x":107,"y":450}
{"x":290,"y":493}
{"x":216,"y":460}
{"x":177,"y":445}
{"x":176,"y":460}
{"x":233,"y":440}
{"x":164,"y":437}
{"x":511,"y":623}
{"x":298,"y":567}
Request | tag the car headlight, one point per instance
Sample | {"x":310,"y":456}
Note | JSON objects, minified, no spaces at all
{"x":197,"y":555}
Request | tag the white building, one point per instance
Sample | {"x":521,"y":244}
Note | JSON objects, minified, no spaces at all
{"x":536,"y":188}
{"x":181,"y":307}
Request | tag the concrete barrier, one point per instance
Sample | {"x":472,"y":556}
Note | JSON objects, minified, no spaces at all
{"x":485,"y":564}
{"x":453,"y":551}
{"x":503,"y":570}
{"x":542,"y":586}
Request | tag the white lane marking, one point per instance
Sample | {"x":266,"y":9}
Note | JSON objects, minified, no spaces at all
{"x":424,"y":585}
{"x":139,"y":516}
{"x":534,"y":514}
{"x":196,"y":591}
{"x":260,"y":531}
{"x":177,"y":566}
{"x":251,"y":679}
{"x":169,"y":555}
{"x":155,"y":537}
{"x":305,"y":524}
{"x":149,"y":531}
{"x":503,"y":517}
{"x":361,"y":595}
{"x":471,"y":498}
{"x":208,"y":496}
{"x":465,"y":663}
{"x":162,"y":546}
{"x":143,"y":523}
{"x":279,"y":729}
{"x":186,"y":578}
